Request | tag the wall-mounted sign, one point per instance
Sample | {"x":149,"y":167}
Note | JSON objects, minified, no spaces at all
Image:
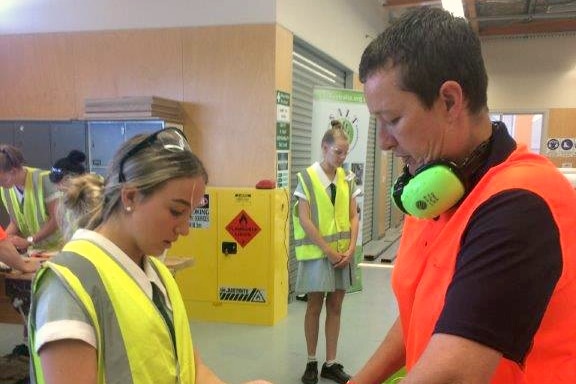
{"x":282,"y":120}
{"x":283,"y":114}
{"x":561,"y":147}
{"x":282,"y":169}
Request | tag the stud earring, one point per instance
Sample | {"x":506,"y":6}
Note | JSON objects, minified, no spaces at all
{"x":128,"y":209}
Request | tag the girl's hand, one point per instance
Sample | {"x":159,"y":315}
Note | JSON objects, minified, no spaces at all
{"x":30,"y":266}
{"x":343,"y":260}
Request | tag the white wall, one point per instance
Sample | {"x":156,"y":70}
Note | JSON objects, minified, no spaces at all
{"x":533,"y":73}
{"x":339,"y":28}
{"x":525,"y":73}
{"x":31,"y":16}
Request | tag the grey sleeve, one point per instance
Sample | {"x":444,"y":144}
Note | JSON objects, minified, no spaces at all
{"x":299,"y":191}
{"x":54,"y":302}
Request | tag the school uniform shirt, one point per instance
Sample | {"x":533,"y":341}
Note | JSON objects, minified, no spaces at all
{"x":60,"y":317}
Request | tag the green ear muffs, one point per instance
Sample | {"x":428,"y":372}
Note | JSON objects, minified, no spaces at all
{"x":435,"y":188}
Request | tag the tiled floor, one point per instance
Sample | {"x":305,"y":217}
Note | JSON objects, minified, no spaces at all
{"x":278,"y":353}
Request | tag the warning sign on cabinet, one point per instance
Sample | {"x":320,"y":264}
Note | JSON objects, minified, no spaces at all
{"x":242,"y":228}
{"x":252,"y":295}
{"x":201,"y":215}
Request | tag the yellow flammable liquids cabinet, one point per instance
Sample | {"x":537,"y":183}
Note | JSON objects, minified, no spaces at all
{"x":239,"y":244}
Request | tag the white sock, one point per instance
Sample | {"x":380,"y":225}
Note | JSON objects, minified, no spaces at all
{"x":330,"y":363}
{"x":311,"y":359}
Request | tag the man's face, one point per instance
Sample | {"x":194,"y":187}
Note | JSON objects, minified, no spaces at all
{"x":405,"y":126}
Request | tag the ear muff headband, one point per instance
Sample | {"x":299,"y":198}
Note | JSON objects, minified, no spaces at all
{"x":434,"y":189}
{"x":438,"y":186}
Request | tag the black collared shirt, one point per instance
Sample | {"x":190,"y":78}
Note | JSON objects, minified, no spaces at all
{"x":508,"y":265}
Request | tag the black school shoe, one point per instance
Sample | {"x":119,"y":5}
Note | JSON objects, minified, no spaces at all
{"x":335,"y":372}
{"x":21,"y":350}
{"x":310,"y":375}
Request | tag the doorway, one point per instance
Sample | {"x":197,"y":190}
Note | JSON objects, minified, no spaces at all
{"x":525,"y":127}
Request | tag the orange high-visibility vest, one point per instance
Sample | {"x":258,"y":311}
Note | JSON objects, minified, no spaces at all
{"x":426,"y":263}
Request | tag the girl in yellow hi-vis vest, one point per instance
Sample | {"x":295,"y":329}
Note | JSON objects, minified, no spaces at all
{"x":325,"y":222}
{"x":30,"y":199}
{"x":103,"y":310}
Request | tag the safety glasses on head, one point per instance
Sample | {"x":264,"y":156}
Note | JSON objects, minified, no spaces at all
{"x":339,"y":152}
{"x":170,"y":139}
{"x":56,"y":175}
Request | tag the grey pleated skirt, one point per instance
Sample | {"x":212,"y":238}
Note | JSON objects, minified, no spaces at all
{"x":320,"y":276}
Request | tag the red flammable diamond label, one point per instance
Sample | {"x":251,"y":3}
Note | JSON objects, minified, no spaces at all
{"x":242,"y":228}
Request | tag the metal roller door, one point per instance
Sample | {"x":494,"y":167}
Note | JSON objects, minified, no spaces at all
{"x":388,"y":198}
{"x":368,"y":225}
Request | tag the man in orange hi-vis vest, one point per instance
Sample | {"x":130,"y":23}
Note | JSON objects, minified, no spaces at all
{"x":485,"y":276}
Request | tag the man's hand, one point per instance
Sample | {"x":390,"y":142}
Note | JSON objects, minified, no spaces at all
{"x":20,"y":243}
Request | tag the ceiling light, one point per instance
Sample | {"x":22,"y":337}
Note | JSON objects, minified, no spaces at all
{"x":455,"y":7}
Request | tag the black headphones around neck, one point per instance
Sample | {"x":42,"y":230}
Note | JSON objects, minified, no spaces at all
{"x":437,"y":186}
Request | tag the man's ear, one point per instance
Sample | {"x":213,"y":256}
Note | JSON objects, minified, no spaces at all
{"x":453,"y":98}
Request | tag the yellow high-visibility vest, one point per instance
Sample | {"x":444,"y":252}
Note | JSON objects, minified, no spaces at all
{"x":331,"y":220}
{"x":134,"y":342}
{"x":31,"y":214}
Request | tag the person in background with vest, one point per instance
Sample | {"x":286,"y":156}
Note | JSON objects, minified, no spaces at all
{"x":325,"y":221}
{"x":485,"y":274}
{"x":105,"y":309}
{"x":67,"y":167}
{"x":63,"y":172}
{"x":30,"y":200}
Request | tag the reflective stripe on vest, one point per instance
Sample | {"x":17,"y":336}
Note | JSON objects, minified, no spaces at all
{"x":134,"y":342}
{"x":32,"y":215}
{"x":426,"y":262}
{"x":331,"y":220}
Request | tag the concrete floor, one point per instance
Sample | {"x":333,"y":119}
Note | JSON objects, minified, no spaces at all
{"x":278,"y":353}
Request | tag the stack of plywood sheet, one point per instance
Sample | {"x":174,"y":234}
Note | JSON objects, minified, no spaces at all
{"x":137,"y":107}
